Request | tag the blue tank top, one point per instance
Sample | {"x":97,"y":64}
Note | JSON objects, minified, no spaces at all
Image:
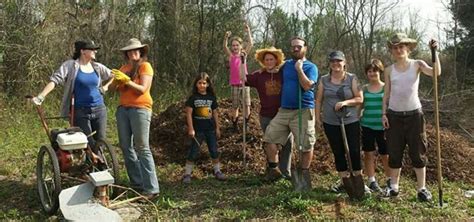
{"x":86,"y":90}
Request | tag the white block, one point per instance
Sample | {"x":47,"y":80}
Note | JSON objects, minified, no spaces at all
{"x":101,"y":178}
{"x":72,"y":141}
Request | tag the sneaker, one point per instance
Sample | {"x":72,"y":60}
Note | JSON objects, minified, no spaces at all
{"x":148,"y":197}
{"x":338,"y":187}
{"x":285,"y":174}
{"x":273,"y":174}
{"x":367,"y":190}
{"x":424,"y":195}
{"x":389,"y":182}
{"x":152,"y":196}
{"x":374,"y":187}
{"x":388,"y":192}
{"x":187,"y":179}
{"x":220,"y":176}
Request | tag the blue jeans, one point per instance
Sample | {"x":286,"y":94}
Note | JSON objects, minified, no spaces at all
{"x":211,"y":139}
{"x":91,"y":119}
{"x":133,"y":126}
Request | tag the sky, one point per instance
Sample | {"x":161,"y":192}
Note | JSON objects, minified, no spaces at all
{"x":431,"y":14}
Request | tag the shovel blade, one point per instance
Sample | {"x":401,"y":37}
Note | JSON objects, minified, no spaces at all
{"x":301,"y":180}
{"x":354,"y":186}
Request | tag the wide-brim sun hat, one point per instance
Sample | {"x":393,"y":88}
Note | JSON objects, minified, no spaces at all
{"x":402,"y":38}
{"x":134,"y":43}
{"x":278,"y":53}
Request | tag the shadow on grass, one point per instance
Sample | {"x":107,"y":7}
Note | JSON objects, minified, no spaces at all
{"x":19,"y":200}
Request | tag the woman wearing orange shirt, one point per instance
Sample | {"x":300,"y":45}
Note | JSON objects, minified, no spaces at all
{"x":134,"y":116}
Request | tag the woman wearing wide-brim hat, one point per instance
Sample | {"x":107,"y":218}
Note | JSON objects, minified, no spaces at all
{"x":133,"y":115}
{"x":268,"y":82}
{"x":402,"y":115}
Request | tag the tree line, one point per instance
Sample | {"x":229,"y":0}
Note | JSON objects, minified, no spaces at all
{"x":185,"y":36}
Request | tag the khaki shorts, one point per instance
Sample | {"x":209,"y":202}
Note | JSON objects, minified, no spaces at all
{"x":236,"y":93}
{"x":286,"y":121}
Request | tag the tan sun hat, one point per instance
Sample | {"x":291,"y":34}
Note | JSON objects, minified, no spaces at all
{"x":260,"y":55}
{"x":134,"y":43}
{"x":402,"y":38}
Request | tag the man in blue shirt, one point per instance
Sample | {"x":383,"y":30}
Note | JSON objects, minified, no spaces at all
{"x":298,"y":74}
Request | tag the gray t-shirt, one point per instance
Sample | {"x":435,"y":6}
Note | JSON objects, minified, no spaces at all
{"x":333,"y":94}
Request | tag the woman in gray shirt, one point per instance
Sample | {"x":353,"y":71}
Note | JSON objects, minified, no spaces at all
{"x":339,"y":93}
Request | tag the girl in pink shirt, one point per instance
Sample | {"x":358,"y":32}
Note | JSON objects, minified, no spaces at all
{"x":235,"y":55}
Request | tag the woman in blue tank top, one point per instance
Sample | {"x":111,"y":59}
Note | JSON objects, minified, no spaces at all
{"x":84,"y":82}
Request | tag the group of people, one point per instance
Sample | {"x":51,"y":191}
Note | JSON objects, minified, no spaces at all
{"x":386,"y":116}
{"x":295,"y":106}
{"x":85,"y":81}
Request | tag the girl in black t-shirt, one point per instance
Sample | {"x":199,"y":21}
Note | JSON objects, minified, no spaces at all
{"x":202,"y":121}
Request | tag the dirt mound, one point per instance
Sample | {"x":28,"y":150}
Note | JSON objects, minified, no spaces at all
{"x":170,"y":141}
{"x":457,"y":155}
{"x":170,"y":144}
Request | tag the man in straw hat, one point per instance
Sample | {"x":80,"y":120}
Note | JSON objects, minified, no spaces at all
{"x":268,"y":82}
{"x":297,"y":100}
{"x":402,"y":115}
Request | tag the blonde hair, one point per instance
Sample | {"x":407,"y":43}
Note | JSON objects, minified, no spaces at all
{"x":236,"y":38}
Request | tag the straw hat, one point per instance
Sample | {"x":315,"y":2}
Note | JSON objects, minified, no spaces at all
{"x":134,"y":43}
{"x":260,"y":55}
{"x":402,"y":38}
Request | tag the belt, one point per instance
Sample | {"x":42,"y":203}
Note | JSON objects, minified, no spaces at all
{"x":404,"y":113}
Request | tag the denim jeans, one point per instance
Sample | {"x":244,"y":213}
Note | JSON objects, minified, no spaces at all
{"x":285,"y":153}
{"x":211,"y":139}
{"x":133,"y":126}
{"x":91,"y":119}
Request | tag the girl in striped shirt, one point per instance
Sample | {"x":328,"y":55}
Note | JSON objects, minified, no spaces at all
{"x":371,"y":123}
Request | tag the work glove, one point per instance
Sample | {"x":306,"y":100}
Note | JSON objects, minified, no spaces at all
{"x":120,"y":76}
{"x":37,"y":100}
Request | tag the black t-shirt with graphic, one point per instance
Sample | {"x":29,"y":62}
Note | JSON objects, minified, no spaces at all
{"x":203,"y":106}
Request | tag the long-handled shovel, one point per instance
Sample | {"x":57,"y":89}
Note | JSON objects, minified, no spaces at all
{"x":354,"y":184}
{"x":243,"y":75}
{"x":436,"y":108}
{"x":298,"y":179}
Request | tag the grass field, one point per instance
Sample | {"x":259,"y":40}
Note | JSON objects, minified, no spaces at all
{"x":243,"y":196}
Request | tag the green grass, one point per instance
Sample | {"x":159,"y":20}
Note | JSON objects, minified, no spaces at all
{"x":243,"y":196}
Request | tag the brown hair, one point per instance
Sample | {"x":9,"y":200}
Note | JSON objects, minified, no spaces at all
{"x":209,"y":89}
{"x":136,"y":64}
{"x":376,"y":65}
{"x":298,"y":38}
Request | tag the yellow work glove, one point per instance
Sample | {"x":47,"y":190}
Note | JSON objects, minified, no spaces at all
{"x":120,"y":76}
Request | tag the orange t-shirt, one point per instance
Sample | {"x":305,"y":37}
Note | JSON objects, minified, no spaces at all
{"x":130,"y":97}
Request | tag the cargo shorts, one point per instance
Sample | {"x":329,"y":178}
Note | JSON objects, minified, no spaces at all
{"x":286,"y":122}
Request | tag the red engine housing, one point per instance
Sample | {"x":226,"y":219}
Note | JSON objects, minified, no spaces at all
{"x":64,"y":159}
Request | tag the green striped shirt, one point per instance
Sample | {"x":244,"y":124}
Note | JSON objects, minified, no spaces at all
{"x":372,"y":115}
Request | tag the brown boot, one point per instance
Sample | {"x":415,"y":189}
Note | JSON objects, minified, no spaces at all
{"x":272,"y":174}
